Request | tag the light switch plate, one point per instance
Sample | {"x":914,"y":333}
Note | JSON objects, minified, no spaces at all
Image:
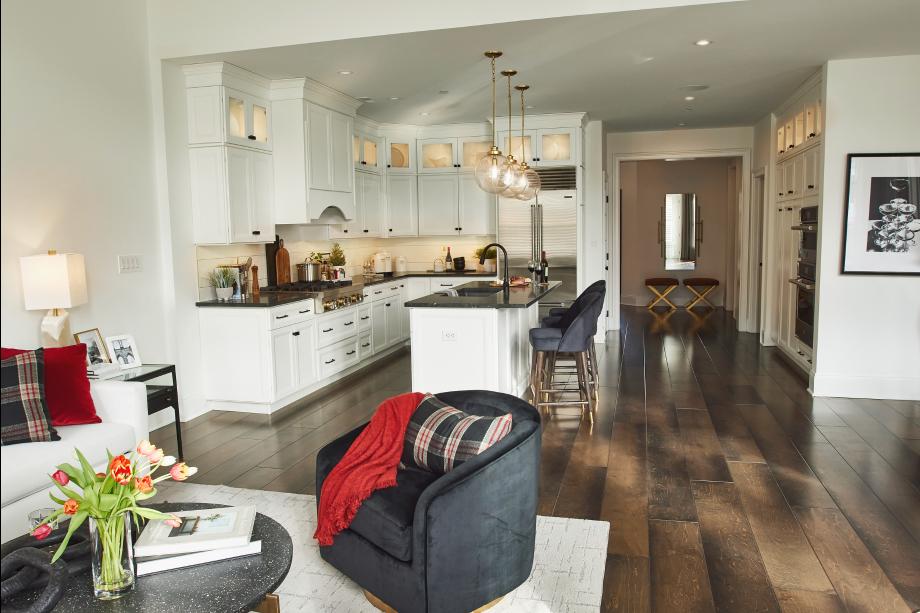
{"x":129,"y":263}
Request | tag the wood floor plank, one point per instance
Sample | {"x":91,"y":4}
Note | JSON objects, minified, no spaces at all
{"x":859,"y":581}
{"x":737,"y":443}
{"x":737,"y":575}
{"x":900,"y":425}
{"x":809,"y":602}
{"x":704,"y":455}
{"x":625,"y":501}
{"x":669,"y":495}
{"x":626,"y":585}
{"x":786,"y":553}
{"x":679,"y":577}
{"x":256,"y":478}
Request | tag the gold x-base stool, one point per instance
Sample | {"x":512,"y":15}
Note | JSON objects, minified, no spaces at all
{"x":700,"y":296}
{"x":661,"y":296}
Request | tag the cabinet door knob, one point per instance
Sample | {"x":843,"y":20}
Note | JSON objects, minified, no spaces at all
{"x":295,"y":333}
{"x":345,"y":231}
{"x":811,"y":187}
{"x":790,"y":192}
{"x":366,"y":231}
{"x":461,"y":229}
{"x":256,"y":232}
{"x":251,"y":137}
{"x":391,"y":229}
{"x":363,"y":162}
{"x":388,"y":166}
{"x":387,"y":304}
{"x":788,"y":208}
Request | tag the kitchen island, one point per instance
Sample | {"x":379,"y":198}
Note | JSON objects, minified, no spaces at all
{"x":474,"y":337}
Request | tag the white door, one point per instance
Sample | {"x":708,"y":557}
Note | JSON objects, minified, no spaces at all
{"x":557,"y":147}
{"x":263,"y":201}
{"x":239,"y":176}
{"x":394,"y":319}
{"x":209,"y":185}
{"x":379,"y":325}
{"x":372,"y":202}
{"x":437,"y":205}
{"x":305,"y":350}
{"x":319,"y":122}
{"x":402,"y":205}
{"x":437,"y":155}
{"x":343,"y":172}
{"x":477,"y":208}
{"x":284,"y":355}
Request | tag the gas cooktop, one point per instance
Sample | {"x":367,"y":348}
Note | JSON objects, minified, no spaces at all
{"x":307,"y":286}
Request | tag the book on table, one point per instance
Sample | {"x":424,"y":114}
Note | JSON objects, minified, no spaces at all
{"x":202,"y":530}
{"x":157,"y":564}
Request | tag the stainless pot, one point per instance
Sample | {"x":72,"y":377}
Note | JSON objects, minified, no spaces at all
{"x":308,"y":272}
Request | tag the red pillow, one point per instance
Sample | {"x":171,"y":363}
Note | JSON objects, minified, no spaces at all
{"x":66,"y":385}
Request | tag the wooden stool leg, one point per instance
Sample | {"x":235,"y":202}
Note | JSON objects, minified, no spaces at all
{"x":583,"y":390}
{"x":661,"y":296}
{"x":270,"y":604}
{"x":533,"y":377}
{"x":592,"y":356}
{"x":700,"y":297}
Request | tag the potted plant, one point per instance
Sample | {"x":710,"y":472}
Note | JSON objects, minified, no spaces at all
{"x":109,"y":501}
{"x":222,"y":280}
{"x":337,"y":260}
{"x":491,"y":257}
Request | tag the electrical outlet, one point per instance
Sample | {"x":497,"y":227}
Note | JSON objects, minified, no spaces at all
{"x":129,"y":263}
{"x":448,"y":336}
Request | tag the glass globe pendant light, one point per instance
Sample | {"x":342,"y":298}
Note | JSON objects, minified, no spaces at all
{"x":489,"y":169}
{"x":512,"y":175}
{"x":530,"y":177}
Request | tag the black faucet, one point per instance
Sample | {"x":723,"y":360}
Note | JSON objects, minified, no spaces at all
{"x":506,"y":283}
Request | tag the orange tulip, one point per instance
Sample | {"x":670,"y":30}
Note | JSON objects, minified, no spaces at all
{"x":120,"y":469}
{"x":71,"y":506}
{"x":143,"y":484}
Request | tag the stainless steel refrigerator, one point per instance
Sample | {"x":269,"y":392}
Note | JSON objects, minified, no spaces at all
{"x":548,"y":224}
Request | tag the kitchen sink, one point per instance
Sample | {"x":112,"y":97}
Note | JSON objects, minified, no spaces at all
{"x":478,"y":291}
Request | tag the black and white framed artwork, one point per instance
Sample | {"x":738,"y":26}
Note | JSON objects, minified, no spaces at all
{"x":881,"y":222}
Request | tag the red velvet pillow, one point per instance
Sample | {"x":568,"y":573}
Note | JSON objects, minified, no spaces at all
{"x":66,"y":385}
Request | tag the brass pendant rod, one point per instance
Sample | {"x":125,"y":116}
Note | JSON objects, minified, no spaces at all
{"x":523,"y":159}
{"x":494,"y":133}
{"x":509,"y":73}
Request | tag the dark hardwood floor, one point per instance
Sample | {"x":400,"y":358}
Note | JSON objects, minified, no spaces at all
{"x":727,"y":486}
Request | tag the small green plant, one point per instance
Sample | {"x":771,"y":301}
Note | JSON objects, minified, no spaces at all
{"x":221,"y":277}
{"x":315,"y":258}
{"x":337,"y":255}
{"x":490,"y":253}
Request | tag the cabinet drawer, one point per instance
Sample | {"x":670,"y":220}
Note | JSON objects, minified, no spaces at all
{"x":364,"y":317}
{"x":337,"y":357}
{"x":375,"y":292}
{"x":332,"y":328}
{"x":365,"y":345}
{"x":291,"y":314}
{"x":439,"y":284}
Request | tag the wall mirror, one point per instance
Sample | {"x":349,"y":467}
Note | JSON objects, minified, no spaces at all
{"x":680,"y":231}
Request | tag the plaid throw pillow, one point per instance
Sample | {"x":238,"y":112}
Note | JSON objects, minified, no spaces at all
{"x":439,"y":437}
{"x":24,"y":416}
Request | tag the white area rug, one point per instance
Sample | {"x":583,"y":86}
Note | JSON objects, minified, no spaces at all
{"x":567,"y":577}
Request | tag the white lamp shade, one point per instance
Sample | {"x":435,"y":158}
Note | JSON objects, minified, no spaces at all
{"x":53,"y":281}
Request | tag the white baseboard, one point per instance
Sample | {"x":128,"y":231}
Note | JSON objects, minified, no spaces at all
{"x":882,"y":388}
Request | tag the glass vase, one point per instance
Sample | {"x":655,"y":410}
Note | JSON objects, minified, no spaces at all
{"x":113,"y":556}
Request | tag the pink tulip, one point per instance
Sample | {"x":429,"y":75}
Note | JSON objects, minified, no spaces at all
{"x":156,"y":455}
{"x":173,"y":522}
{"x":168,"y":460}
{"x":42,"y":532}
{"x":145,"y":447}
{"x":61,"y":477}
{"x":182,"y":471}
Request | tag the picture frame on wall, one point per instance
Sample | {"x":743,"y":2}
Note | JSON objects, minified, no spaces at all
{"x":881,"y":232}
{"x":123,"y":351}
{"x":96,"y":351}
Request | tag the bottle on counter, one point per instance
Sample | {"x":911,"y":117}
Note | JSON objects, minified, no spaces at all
{"x":544,"y":268}
{"x":449,"y":261}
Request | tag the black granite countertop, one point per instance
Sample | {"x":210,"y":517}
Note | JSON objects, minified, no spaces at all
{"x":517,"y":297}
{"x":274,"y":299}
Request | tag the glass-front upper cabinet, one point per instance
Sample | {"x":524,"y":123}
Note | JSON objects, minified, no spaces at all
{"x":366,"y":152}
{"x":248,"y":120}
{"x":557,"y":147}
{"x":400,"y":155}
{"x":510,"y":143}
{"x":437,"y":155}
{"x":473,"y":149}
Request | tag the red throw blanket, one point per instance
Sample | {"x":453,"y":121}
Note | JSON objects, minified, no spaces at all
{"x":369,"y":464}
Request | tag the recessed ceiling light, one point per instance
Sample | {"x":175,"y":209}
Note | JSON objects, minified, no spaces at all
{"x":681,"y":124}
{"x":443,"y":91}
{"x":703,"y":42}
{"x":530,"y":106}
{"x":679,"y":159}
{"x":345,"y":72}
{"x":394,"y":98}
{"x":424,"y":113}
{"x":365,"y":99}
{"x":695,"y":88}
{"x":689,"y":98}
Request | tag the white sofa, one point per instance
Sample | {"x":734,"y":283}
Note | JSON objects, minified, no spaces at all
{"x":25,"y":467}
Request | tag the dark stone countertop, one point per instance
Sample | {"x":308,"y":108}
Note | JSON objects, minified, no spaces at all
{"x":274,"y":299}
{"x":517,"y":298}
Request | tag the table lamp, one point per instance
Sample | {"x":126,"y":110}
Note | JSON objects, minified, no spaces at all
{"x":55,"y":282}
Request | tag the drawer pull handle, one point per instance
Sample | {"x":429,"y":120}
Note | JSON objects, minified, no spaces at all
{"x":365,"y":318}
{"x":379,"y":291}
{"x":256,"y":232}
{"x":366,"y":345}
{"x":447,"y":285}
{"x":348,"y":323}
{"x":392,"y":288}
{"x":251,"y":137}
{"x":328,"y":330}
{"x":330,"y":361}
{"x":295,"y":333}
{"x":352,"y":352}
{"x":304,"y":311}
{"x":280,"y":316}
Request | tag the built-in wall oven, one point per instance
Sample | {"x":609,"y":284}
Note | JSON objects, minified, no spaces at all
{"x":806,"y":274}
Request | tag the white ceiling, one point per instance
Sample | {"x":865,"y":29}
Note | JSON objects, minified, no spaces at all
{"x":627,"y":69}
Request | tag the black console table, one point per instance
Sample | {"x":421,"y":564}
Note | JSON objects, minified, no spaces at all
{"x":159,"y":397}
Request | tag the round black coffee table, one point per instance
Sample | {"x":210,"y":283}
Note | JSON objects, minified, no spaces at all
{"x":239,"y":584}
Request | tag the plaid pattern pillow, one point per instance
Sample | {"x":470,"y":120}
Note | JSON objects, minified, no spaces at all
{"x":24,"y":416}
{"x":439,"y":437}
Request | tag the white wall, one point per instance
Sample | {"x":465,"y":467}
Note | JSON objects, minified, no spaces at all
{"x":868,"y":327}
{"x":77,"y":159}
{"x":712,"y":142}
{"x":645,"y":184}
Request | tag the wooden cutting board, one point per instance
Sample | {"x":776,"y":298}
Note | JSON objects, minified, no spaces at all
{"x":282,"y":264}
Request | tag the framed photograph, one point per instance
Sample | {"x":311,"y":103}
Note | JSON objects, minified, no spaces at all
{"x":881,"y":232}
{"x":123,"y":351}
{"x":96,"y":352}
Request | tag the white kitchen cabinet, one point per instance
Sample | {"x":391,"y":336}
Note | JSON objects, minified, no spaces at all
{"x":394,"y":317}
{"x":476,"y":208}
{"x":557,"y":147}
{"x":222,"y":115}
{"x":368,"y":219}
{"x":798,"y":176}
{"x":402,"y":205}
{"x":812,"y":172}
{"x":437,"y":155}
{"x":379,"y":325}
{"x":232,"y":195}
{"x":510,"y":142}
{"x":365,"y":345}
{"x":367,"y":152}
{"x":400,"y":155}
{"x":294,"y":355}
{"x":471,"y":149}
{"x":337,"y":357}
{"x":438,"y":196}
{"x":330,"y":149}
